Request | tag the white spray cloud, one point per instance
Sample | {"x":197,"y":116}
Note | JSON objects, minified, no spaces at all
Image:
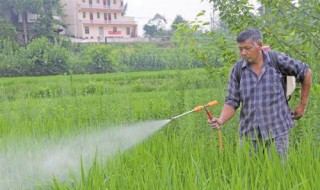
{"x":25,"y":166}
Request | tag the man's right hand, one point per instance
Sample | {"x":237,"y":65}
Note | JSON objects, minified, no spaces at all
{"x":215,"y":123}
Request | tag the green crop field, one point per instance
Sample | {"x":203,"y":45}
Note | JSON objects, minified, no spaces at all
{"x":110,"y":131}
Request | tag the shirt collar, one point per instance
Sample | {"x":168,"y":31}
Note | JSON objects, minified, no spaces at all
{"x":266,"y":59}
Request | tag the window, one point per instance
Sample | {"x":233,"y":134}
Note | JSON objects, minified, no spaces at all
{"x":91,"y":16}
{"x":101,"y":31}
{"x":98,"y":15}
{"x":128,"y":31}
{"x":83,"y":1}
{"x":115,"y":16}
{"x":98,"y":1}
{"x":84,"y":15}
{"x":114,"y":1}
{"x":114,"y":29}
{"x":105,"y":16}
{"x":86,"y":30}
{"x":90,"y":2}
{"x":109,"y":2}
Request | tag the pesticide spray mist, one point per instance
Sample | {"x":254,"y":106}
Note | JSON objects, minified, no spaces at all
{"x":23,"y":167}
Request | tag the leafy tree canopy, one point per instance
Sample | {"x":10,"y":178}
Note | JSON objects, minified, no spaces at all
{"x":287,"y":26}
{"x":178,"y":20}
{"x":7,"y":30}
{"x":46,"y":11}
{"x":156,"y":27}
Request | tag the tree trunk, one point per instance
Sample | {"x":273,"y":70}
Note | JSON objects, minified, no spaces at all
{"x":24,"y":25}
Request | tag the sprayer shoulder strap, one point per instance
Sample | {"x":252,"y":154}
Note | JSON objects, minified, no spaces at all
{"x":274,"y":63}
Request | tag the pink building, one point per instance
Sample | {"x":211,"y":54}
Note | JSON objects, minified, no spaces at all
{"x":97,"y":20}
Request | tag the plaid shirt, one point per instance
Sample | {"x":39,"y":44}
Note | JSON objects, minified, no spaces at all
{"x":264,"y":111}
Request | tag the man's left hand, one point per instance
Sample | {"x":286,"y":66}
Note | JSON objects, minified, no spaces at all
{"x":298,"y":112}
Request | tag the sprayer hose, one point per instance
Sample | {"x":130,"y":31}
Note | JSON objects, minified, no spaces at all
{"x":220,"y":139}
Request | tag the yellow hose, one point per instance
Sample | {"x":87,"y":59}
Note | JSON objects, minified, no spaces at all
{"x":220,"y":140}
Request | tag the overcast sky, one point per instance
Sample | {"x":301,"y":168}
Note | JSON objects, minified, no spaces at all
{"x":144,"y":10}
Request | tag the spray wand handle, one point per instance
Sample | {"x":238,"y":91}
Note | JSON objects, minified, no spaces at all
{"x":209,"y":114}
{"x":219,"y":132}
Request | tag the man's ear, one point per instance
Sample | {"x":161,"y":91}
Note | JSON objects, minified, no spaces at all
{"x":259,"y":44}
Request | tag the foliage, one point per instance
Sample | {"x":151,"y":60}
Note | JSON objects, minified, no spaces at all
{"x":47,"y":25}
{"x":150,"y":30}
{"x":143,"y":57}
{"x":99,"y":59}
{"x":215,"y":48}
{"x":43,"y":8}
{"x":22,"y":8}
{"x":9,"y":58}
{"x":8,"y":47}
{"x":178,"y":20}
{"x":156,"y":27}
{"x":125,"y":8}
{"x":159,"y":21}
{"x":43,"y":58}
{"x":286,"y":27}
{"x":7,"y":30}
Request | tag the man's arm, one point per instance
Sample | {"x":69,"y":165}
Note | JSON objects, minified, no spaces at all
{"x":232,"y":101}
{"x":305,"y":90}
{"x":226,"y":114}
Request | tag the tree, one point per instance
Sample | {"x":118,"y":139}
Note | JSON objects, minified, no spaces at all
{"x":178,"y":20}
{"x":46,"y":23}
{"x":125,"y":8}
{"x":49,"y":24}
{"x":156,"y":26}
{"x":4,"y":10}
{"x":7,"y":30}
{"x":286,"y":26}
{"x":159,"y":21}
{"x":23,"y":7}
{"x":99,"y":59}
{"x":150,"y":30}
{"x":44,"y":58}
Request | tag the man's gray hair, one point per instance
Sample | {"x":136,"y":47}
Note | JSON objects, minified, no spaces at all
{"x":253,"y":34}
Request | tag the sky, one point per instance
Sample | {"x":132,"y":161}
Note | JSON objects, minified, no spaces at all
{"x":144,"y":10}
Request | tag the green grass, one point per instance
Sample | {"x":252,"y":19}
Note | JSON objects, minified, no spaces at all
{"x":41,"y":111}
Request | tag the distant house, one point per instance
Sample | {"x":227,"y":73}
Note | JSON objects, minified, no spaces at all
{"x":97,"y":20}
{"x":23,"y":23}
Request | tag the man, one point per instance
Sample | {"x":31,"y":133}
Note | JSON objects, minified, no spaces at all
{"x":265,"y":116}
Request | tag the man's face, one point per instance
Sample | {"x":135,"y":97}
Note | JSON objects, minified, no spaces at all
{"x":249,"y":50}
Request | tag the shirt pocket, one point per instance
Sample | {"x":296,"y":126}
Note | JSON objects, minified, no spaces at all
{"x":247,"y":92}
{"x":271,"y":92}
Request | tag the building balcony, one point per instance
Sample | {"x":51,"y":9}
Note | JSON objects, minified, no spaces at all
{"x":96,"y":8}
{"x":128,"y":21}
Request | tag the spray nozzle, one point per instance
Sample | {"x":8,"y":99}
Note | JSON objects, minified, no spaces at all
{"x":196,"y":109}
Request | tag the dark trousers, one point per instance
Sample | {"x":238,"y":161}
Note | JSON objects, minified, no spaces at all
{"x":281,"y":144}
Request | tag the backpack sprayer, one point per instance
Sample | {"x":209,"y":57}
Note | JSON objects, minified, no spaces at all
{"x":199,"y":108}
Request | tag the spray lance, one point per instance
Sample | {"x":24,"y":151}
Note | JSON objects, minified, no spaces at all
{"x":199,"y":108}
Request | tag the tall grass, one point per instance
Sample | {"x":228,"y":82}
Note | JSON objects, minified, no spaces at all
{"x":36,"y":112}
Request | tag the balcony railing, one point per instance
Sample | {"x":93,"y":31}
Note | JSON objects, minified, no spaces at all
{"x":100,"y":7}
{"x":111,"y":22}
